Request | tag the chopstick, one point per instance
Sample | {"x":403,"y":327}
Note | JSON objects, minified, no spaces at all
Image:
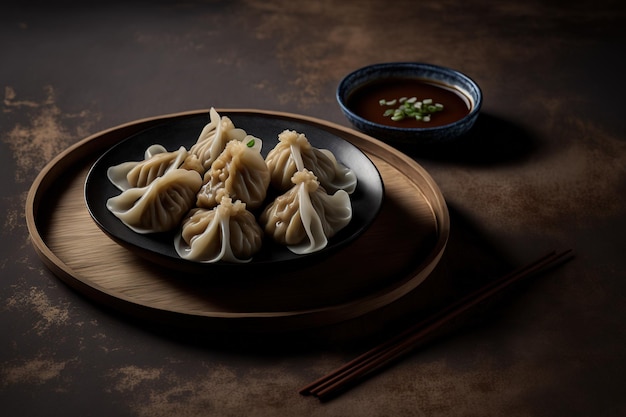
{"x":346,"y":376}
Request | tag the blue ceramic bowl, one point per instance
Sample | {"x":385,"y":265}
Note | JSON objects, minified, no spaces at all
{"x":412,"y":136}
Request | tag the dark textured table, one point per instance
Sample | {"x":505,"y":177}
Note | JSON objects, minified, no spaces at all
{"x":544,"y":169}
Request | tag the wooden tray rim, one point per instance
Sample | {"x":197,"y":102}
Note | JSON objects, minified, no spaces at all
{"x":249,"y":321}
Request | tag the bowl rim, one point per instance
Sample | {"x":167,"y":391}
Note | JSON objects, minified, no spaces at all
{"x":342,"y":93}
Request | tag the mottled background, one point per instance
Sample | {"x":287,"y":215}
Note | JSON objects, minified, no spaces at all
{"x":544,"y":168}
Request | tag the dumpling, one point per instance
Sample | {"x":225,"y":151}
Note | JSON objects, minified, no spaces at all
{"x":228,"y":232}
{"x":160,"y":206}
{"x":214,"y":137}
{"x":239,"y":172}
{"x":294,"y":152}
{"x":305,"y":217}
{"x":157,"y":162}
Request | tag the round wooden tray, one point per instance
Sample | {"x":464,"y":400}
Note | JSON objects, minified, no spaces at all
{"x":390,"y":259}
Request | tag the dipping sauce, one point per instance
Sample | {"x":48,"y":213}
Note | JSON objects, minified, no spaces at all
{"x":365,"y":101}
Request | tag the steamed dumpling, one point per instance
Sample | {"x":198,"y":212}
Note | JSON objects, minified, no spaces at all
{"x":294,"y":153}
{"x":157,"y":162}
{"x":214,"y":137}
{"x":160,"y":206}
{"x":239,"y":172}
{"x":305,"y":217}
{"x":228,"y":232}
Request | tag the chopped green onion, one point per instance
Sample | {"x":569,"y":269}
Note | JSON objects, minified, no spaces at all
{"x":250,"y":143}
{"x":411,"y":108}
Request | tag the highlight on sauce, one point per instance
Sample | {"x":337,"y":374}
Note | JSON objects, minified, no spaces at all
{"x":366,"y":102}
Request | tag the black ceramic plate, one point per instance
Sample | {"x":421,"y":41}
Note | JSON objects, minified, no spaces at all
{"x":366,"y":199}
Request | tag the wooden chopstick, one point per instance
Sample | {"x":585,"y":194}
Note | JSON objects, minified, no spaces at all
{"x":347,"y":375}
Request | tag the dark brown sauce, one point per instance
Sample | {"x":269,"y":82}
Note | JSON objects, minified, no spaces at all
{"x":365,"y":101}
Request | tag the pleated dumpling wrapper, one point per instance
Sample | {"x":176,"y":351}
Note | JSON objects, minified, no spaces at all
{"x":305,"y":217}
{"x":294,"y":152}
{"x":227,"y":232}
{"x":160,"y":206}
{"x":214,"y":137}
{"x":239,"y":172}
{"x":156,"y":163}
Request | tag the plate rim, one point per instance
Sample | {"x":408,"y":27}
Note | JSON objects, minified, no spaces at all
{"x":195,"y":267}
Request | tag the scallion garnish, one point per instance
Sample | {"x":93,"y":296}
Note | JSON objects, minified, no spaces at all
{"x":250,"y":143}
{"x":410,"y":108}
